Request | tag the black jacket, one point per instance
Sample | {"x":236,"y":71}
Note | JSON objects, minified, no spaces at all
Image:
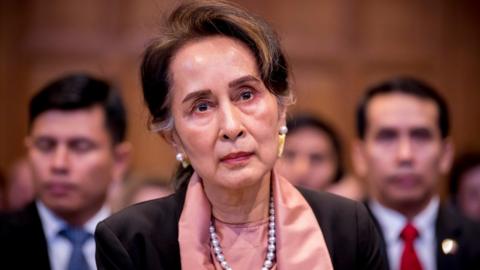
{"x":22,"y":241}
{"x":144,"y":236}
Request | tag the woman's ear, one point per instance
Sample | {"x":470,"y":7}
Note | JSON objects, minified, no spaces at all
{"x":167,"y":136}
{"x":172,"y":138}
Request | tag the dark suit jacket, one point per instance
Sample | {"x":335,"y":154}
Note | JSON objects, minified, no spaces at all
{"x":465,"y":232}
{"x":145,"y":236}
{"x":22,"y":241}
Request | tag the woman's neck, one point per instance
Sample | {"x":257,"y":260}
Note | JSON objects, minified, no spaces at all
{"x":240,"y":206}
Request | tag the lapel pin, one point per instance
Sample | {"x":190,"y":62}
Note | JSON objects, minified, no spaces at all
{"x":449,"y":246}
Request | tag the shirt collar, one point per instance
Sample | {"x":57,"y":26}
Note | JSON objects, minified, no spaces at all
{"x":425,"y":220}
{"x":52,"y":223}
{"x":393,"y":222}
{"x":91,"y":224}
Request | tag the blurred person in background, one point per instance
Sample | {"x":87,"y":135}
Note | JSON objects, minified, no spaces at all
{"x":313,"y":158}
{"x":76,"y":146}
{"x":404,"y":148}
{"x":145,"y":189}
{"x":465,"y":185}
{"x":20,"y":186}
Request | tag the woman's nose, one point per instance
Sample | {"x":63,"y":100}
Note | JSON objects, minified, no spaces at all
{"x":231,"y":124}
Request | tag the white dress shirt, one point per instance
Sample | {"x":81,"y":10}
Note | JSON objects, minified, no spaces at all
{"x":59,"y":248}
{"x":392,"y":223}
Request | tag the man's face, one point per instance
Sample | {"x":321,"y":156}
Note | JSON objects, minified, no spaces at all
{"x":73,"y":160}
{"x":403,"y":151}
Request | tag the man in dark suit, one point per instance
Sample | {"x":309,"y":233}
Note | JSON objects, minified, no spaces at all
{"x":77,"y":151}
{"x":403,"y":150}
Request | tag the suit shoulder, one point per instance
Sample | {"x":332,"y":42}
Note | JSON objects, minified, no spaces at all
{"x":328,"y":205}
{"x":142,"y":236}
{"x":144,"y":216}
{"x":450,"y":218}
{"x":21,"y":219}
{"x":337,"y":216}
{"x":346,"y":221}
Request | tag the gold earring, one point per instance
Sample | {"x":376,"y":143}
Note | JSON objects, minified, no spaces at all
{"x":281,"y":140}
{"x":182,"y":159}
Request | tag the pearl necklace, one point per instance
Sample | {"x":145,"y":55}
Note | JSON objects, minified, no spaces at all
{"x":271,"y":246}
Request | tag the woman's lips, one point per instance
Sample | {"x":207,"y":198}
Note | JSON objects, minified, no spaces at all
{"x":238,"y":158}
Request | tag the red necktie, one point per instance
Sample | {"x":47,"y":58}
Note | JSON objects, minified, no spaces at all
{"x":409,"y":259}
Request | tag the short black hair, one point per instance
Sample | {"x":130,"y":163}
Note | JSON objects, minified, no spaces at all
{"x":462,"y":165}
{"x":304,"y":120}
{"x":406,"y":85}
{"x":82,"y":91}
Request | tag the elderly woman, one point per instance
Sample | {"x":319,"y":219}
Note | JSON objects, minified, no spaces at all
{"x":216,"y":85}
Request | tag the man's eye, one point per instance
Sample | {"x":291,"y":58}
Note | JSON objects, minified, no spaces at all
{"x":421,"y":134}
{"x":81,"y":146}
{"x":386,"y":135}
{"x":45,"y":144}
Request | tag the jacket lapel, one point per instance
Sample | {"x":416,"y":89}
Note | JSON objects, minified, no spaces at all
{"x":24,"y":241}
{"x":36,"y":240}
{"x":448,"y":235}
{"x":379,"y":228}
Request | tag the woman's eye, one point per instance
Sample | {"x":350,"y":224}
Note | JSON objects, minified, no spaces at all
{"x":246,"y":95}
{"x":201,"y":107}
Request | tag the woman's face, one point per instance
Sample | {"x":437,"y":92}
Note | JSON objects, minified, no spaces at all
{"x":226,"y":120}
{"x":469,"y":193}
{"x":309,"y":159}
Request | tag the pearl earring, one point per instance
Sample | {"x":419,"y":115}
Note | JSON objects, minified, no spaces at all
{"x":182,"y":159}
{"x":281,"y":139}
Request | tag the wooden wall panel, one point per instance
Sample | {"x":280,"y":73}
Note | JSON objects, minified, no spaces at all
{"x":401,"y":29}
{"x":336,"y":49}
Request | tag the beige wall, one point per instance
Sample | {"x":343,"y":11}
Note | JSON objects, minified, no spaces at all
{"x":336,"y":49}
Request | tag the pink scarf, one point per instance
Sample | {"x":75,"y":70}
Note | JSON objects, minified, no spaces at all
{"x":300,"y":242}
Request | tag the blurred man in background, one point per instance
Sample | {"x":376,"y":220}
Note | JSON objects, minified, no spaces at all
{"x":20,"y":189}
{"x":77,"y":149}
{"x":403,"y":151}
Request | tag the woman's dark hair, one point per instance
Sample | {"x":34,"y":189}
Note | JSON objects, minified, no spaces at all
{"x":462,"y":165}
{"x":199,"y":19}
{"x":301,"y":121}
{"x":405,"y":85}
{"x":82,"y":91}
